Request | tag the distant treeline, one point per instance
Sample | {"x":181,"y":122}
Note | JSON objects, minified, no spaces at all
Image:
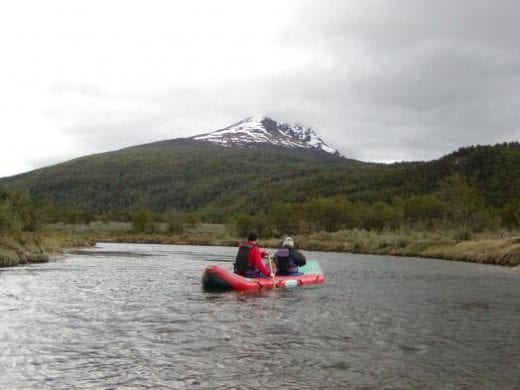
{"x":457,"y":203}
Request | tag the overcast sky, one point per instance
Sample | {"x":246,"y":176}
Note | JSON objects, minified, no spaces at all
{"x":378,"y":80}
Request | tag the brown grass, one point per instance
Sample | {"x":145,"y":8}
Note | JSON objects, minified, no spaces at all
{"x":486,"y":247}
{"x":24,"y":248}
{"x":442,"y":245}
{"x":491,"y":251}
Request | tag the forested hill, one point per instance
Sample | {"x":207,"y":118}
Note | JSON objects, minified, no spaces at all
{"x":180,"y":174}
{"x":494,"y":169}
{"x":218,"y":182}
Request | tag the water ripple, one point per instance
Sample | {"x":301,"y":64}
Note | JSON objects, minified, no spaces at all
{"x":122,"y":316}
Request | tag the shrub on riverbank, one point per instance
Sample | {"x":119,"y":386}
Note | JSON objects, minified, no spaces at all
{"x":24,"y":248}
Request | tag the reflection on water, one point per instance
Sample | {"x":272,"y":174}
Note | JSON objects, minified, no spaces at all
{"x":135,"y":316}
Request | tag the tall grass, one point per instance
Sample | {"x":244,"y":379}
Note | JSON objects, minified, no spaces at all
{"x":24,"y":248}
{"x":486,"y":247}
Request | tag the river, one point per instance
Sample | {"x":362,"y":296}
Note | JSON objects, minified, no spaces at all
{"x":130,"y":316}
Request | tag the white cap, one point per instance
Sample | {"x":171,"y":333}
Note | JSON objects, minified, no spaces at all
{"x":288,"y":242}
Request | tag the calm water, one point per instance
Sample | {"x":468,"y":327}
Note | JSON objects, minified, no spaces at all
{"x":122,"y":316}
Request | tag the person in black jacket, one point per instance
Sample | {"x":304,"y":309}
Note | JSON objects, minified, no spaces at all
{"x":288,"y":259}
{"x":249,"y":259}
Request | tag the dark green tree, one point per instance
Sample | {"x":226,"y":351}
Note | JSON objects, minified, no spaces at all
{"x":244,"y":224}
{"x":329,"y":214}
{"x":175,"y":221}
{"x":143,"y":221}
{"x":510,"y":214}
{"x":465,"y":204}
{"x":423,"y":208}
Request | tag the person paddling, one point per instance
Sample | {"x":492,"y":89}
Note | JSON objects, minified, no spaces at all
{"x":248,"y":261}
{"x":288,"y":259}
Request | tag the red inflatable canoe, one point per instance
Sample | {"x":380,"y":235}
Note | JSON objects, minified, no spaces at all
{"x":218,"y":278}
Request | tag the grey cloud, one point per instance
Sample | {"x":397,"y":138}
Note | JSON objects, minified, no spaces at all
{"x":434,"y":76}
{"x":388,"y":26}
{"x":399,"y":80}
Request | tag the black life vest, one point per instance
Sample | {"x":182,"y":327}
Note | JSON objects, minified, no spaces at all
{"x":241,"y":265}
{"x":282,"y":258}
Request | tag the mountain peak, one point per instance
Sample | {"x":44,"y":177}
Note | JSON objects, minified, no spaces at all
{"x":260,"y":129}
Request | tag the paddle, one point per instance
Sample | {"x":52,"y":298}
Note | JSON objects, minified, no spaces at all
{"x":271,"y":269}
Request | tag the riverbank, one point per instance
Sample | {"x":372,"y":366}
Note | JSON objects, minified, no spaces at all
{"x":488,"y":248}
{"x":25,"y":248}
{"x":504,"y":251}
{"x":485,"y":248}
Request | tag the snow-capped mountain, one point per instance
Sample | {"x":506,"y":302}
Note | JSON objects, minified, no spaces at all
{"x":263,"y":130}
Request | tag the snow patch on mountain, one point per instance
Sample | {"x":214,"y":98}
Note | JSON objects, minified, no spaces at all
{"x":263,"y":130}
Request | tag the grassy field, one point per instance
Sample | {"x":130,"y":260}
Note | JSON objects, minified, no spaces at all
{"x":489,"y":247}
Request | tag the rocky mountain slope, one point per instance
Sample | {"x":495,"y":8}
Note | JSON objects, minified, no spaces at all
{"x":259,"y":130}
